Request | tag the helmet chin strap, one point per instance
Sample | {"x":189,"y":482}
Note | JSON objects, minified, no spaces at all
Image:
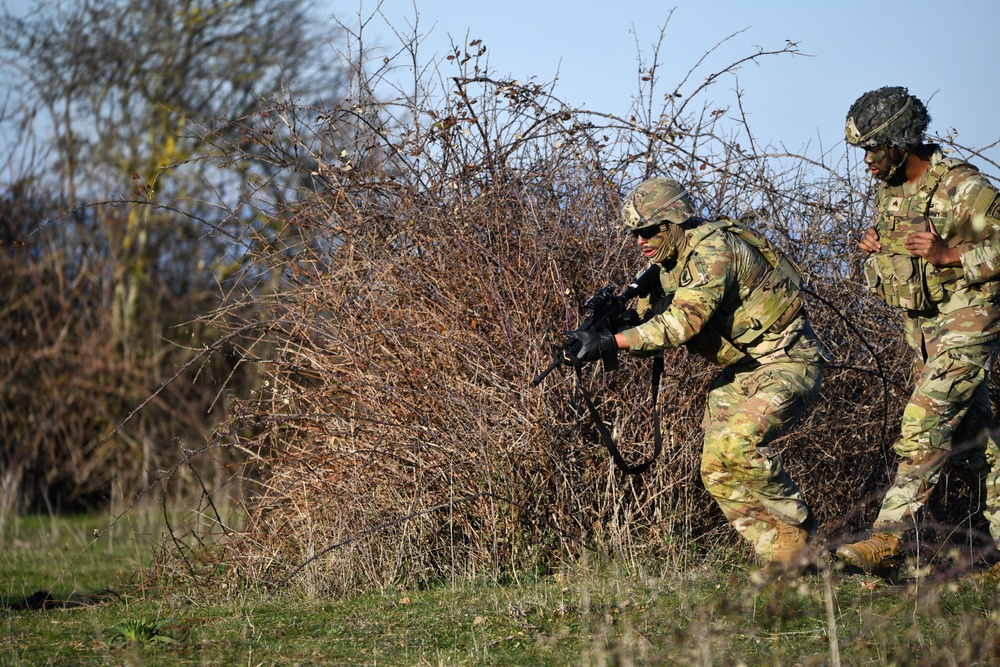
{"x":894,"y":166}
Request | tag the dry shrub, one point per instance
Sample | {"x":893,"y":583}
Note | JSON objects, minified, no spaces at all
{"x":68,"y":383}
{"x":405,"y":290}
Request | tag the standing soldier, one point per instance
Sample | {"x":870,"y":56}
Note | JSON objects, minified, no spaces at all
{"x":934,"y":252}
{"x":731,"y":296}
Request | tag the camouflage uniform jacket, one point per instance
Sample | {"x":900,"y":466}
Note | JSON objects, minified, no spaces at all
{"x":964,"y":208}
{"x":729,"y":303}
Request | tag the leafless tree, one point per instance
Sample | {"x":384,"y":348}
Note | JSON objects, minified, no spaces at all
{"x":129,"y":226}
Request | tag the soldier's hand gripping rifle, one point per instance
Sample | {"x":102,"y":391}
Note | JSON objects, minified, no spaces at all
{"x":605,"y":311}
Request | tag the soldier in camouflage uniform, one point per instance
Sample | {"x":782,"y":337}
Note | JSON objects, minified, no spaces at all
{"x":934,"y":252}
{"x":731,"y":296}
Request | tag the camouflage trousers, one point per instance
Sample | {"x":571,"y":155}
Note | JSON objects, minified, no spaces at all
{"x":746,"y":411}
{"x":948,"y":420}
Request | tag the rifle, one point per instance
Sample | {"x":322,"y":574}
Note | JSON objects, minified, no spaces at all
{"x":604,"y":310}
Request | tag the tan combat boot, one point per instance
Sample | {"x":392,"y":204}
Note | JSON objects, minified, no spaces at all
{"x":878,"y":551}
{"x":988,"y":577}
{"x":790,"y":550}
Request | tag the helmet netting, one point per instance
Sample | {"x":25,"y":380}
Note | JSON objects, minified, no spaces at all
{"x":888,"y":116}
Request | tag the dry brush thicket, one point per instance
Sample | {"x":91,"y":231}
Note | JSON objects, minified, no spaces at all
{"x":68,"y":385}
{"x":429,"y":255}
{"x":111,"y":239}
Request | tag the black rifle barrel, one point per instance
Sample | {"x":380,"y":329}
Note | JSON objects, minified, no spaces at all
{"x":642,"y":283}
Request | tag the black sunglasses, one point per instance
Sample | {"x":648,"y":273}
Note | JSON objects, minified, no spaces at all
{"x":646,"y":232}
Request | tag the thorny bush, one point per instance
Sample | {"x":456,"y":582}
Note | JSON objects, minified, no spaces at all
{"x":405,"y":291}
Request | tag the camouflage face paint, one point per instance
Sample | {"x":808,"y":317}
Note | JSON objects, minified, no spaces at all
{"x":884,"y":161}
{"x":876,"y":155}
{"x":655,"y":246}
{"x":664,"y":246}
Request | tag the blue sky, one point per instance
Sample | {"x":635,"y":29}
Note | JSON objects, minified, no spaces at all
{"x":946,"y":53}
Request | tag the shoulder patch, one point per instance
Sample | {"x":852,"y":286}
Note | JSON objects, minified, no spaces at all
{"x":686,"y":277}
{"x":696,"y":272}
{"x":987,"y":202}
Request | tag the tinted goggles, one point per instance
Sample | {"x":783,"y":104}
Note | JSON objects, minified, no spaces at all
{"x":647,"y":232}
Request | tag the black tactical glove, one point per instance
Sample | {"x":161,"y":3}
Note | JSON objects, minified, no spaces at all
{"x":594,"y":345}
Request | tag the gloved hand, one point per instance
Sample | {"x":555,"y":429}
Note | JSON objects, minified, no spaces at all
{"x":594,"y":345}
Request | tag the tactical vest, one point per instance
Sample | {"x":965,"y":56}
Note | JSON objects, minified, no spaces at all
{"x":775,"y":296}
{"x":898,"y":277}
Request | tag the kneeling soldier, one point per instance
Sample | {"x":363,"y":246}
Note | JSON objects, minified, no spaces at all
{"x":734,"y":299}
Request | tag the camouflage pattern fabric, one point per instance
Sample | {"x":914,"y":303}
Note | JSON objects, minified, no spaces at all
{"x":950,"y":404}
{"x":739,"y":467}
{"x":964,"y":209}
{"x":955,"y":336}
{"x":765,"y":386}
{"x":656,"y":200}
{"x":715,"y":292}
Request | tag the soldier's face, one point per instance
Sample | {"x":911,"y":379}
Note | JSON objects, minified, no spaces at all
{"x":650,"y":239}
{"x":884,"y":161}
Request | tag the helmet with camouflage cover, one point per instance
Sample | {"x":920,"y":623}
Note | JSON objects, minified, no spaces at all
{"x":887,"y":117}
{"x":655,"y":201}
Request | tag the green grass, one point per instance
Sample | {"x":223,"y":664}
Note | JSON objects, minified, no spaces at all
{"x":62,"y":556}
{"x":586,"y":615}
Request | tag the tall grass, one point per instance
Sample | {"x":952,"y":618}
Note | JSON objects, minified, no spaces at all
{"x":592,"y":612}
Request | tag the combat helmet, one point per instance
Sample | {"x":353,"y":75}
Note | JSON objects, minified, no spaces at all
{"x":888,"y":117}
{"x":655,"y":201}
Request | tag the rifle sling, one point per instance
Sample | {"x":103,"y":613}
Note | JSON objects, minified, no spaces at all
{"x":602,"y":428}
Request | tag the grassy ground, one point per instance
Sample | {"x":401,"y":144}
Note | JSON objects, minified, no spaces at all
{"x":587,"y":615}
